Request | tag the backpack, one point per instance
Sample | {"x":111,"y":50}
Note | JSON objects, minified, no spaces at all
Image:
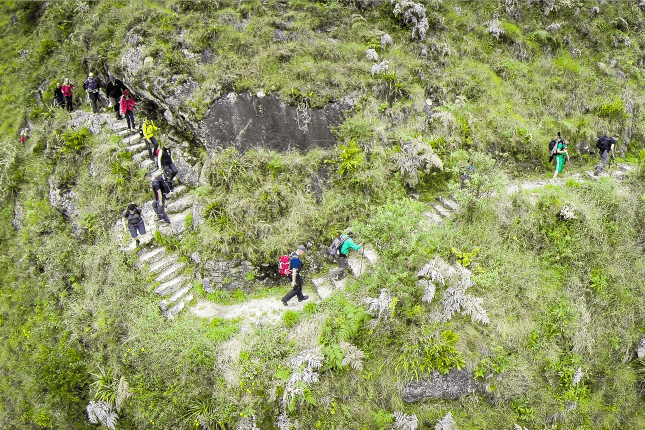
{"x":92,"y":84}
{"x":334,"y":248}
{"x":284,"y":265}
{"x":553,"y":149}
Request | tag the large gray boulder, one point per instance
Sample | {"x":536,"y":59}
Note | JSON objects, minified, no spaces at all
{"x":456,"y":384}
{"x":246,"y":121}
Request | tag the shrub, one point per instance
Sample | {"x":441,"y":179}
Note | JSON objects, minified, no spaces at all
{"x":291,"y":318}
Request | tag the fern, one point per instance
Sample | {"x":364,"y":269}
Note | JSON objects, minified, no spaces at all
{"x":379,"y":307}
{"x":403,"y":421}
{"x":101,"y":412}
{"x":352,"y":356}
{"x":446,"y":423}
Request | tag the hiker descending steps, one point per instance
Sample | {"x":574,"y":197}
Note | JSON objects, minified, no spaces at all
{"x":135,"y":222}
{"x":114,"y":90}
{"x":91,"y":87}
{"x":127,"y":108}
{"x":147,"y":132}
{"x":166,"y":163}
{"x":295,"y":268}
{"x":160,"y":189}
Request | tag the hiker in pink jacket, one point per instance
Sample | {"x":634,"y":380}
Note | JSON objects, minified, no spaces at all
{"x":127,"y":107}
{"x":67,"y":93}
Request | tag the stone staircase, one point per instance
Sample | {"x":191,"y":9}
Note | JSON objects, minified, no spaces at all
{"x":441,"y":209}
{"x":358,"y":263}
{"x":172,"y":276}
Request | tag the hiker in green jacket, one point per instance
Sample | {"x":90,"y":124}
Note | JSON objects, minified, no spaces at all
{"x":348,"y":244}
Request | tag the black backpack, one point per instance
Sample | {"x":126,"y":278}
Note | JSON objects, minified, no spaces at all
{"x":334,"y":248}
{"x":553,"y":149}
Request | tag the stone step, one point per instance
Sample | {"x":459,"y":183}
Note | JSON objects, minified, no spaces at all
{"x":591,"y":175}
{"x":323,"y":286}
{"x":137,"y":147}
{"x":441,"y":210}
{"x":624,"y":167}
{"x":176,"y":223}
{"x":140,"y":156}
{"x":171,"y":286}
{"x":148,"y":164}
{"x":180,"y":204}
{"x":177,"y":295}
{"x":169,"y":273}
{"x":433,"y":217}
{"x":450,"y":204}
{"x":178,"y":191}
{"x":165,"y":262}
{"x":149,"y":257}
{"x":129,"y":140}
{"x":120,"y":128}
{"x":174,"y":310}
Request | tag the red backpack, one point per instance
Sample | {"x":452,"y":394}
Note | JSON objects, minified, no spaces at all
{"x":284,"y":265}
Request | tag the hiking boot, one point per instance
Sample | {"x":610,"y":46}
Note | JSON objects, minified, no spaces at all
{"x":138,"y":243}
{"x":303,"y":299}
{"x":284,"y":302}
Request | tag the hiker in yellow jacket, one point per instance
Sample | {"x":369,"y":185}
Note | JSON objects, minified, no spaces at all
{"x":148,"y":129}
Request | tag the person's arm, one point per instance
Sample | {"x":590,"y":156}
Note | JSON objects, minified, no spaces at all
{"x":160,"y":197}
{"x":125,"y":227}
{"x":159,"y":153}
{"x":294,"y":272}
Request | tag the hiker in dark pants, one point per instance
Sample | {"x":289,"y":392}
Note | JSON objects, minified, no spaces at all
{"x":59,"y":99}
{"x":67,"y":93}
{"x":296,"y":277}
{"x":148,"y":131}
{"x":91,"y":86}
{"x":348,"y":244}
{"x":606,"y":146}
{"x":114,"y":90}
{"x":135,"y":222}
{"x":166,"y":163}
{"x":159,"y":189}
{"x":127,"y":108}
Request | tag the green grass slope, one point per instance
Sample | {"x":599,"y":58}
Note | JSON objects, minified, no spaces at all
{"x":78,"y":322}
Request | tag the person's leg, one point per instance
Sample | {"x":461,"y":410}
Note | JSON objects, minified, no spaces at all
{"x":170,"y":170}
{"x":130,"y":119}
{"x":94,"y":97}
{"x":604,"y":156}
{"x":301,"y":296}
{"x":133,"y":233}
{"x":68,"y":103}
{"x":155,"y":144}
{"x":150,"y":151}
{"x":559,"y":163}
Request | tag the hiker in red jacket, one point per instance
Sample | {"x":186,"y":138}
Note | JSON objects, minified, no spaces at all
{"x":67,"y":93}
{"x":127,"y":108}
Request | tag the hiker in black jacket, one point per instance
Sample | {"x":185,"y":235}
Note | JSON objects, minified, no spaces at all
{"x":606,"y":146}
{"x":114,"y":90}
{"x":91,"y":86}
{"x":59,"y":100}
{"x":135,"y":222}
{"x":166,"y":163}
{"x":159,"y":188}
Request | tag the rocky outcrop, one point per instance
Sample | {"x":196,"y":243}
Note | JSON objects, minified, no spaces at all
{"x":456,"y":384}
{"x":242,"y":120}
{"x":246,"y":121}
{"x":65,"y":203}
{"x":227,"y":275}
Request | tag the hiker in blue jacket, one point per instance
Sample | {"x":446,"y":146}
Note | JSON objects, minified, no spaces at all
{"x":296,"y":277}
